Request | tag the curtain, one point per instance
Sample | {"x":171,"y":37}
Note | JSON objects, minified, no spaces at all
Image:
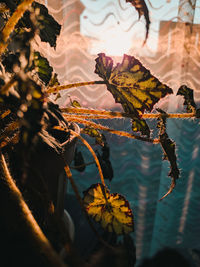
{"x":172,"y":54}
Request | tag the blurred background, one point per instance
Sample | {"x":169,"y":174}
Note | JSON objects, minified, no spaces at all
{"x":172,"y":53}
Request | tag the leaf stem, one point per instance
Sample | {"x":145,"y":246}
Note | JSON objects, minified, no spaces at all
{"x":56,"y":89}
{"x":104,"y":128}
{"x":104,"y":114}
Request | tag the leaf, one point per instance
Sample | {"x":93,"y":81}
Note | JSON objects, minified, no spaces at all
{"x":114,"y":214}
{"x":188,"y":95}
{"x":142,"y":9}
{"x":169,"y":148}
{"x":49,"y":28}
{"x":44,"y":70}
{"x":54,"y":80}
{"x":75,"y":104}
{"x":132,"y":85}
{"x":79,"y":162}
{"x":92,"y":132}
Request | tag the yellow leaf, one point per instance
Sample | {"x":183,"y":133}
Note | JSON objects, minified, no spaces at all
{"x":111,"y":210}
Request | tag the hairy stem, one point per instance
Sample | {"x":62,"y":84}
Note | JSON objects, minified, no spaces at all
{"x":103,"y":114}
{"x":11,"y":23}
{"x":104,"y":128}
{"x":56,"y":89}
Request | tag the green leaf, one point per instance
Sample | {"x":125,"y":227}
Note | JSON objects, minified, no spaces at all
{"x":142,"y":9}
{"x":169,"y":150}
{"x":49,"y":27}
{"x":92,"y":132}
{"x":140,"y":125}
{"x":75,"y":104}
{"x":44,"y":70}
{"x":132,"y":85}
{"x":114,"y":212}
{"x":54,"y":80}
{"x":188,"y":95}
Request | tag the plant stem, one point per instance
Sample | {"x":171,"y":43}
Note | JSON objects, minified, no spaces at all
{"x":69,"y":176}
{"x":104,"y":128}
{"x":56,"y":89}
{"x":21,"y":236}
{"x":11,"y":23}
{"x":115,"y":115}
{"x":93,"y":154}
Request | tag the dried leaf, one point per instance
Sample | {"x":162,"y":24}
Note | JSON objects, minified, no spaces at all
{"x":113,"y":213}
{"x":168,"y":147}
{"x":187,"y":93}
{"x":133,"y":86}
{"x":142,"y":9}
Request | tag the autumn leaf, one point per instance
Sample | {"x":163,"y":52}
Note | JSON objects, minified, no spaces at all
{"x":133,"y":86}
{"x":113,"y":213}
{"x":188,"y":95}
{"x":142,"y":9}
{"x":169,"y":150}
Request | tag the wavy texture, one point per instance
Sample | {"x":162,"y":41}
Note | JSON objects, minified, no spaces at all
{"x":140,"y":175}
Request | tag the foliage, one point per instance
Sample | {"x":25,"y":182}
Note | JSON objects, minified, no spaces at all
{"x":30,"y":123}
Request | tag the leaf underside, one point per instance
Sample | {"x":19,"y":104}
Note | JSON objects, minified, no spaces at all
{"x":114,"y":214}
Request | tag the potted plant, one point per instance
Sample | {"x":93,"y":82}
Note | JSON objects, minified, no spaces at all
{"x":38,"y":139}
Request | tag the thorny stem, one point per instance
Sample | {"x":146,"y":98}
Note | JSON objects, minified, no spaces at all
{"x":56,"y":89}
{"x":104,"y":128}
{"x":11,"y":23}
{"x":103,"y":114}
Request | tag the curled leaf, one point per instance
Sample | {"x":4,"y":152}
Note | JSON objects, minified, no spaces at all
{"x":112,"y":211}
{"x":188,"y":95}
{"x":168,"y":147}
{"x":142,"y":9}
